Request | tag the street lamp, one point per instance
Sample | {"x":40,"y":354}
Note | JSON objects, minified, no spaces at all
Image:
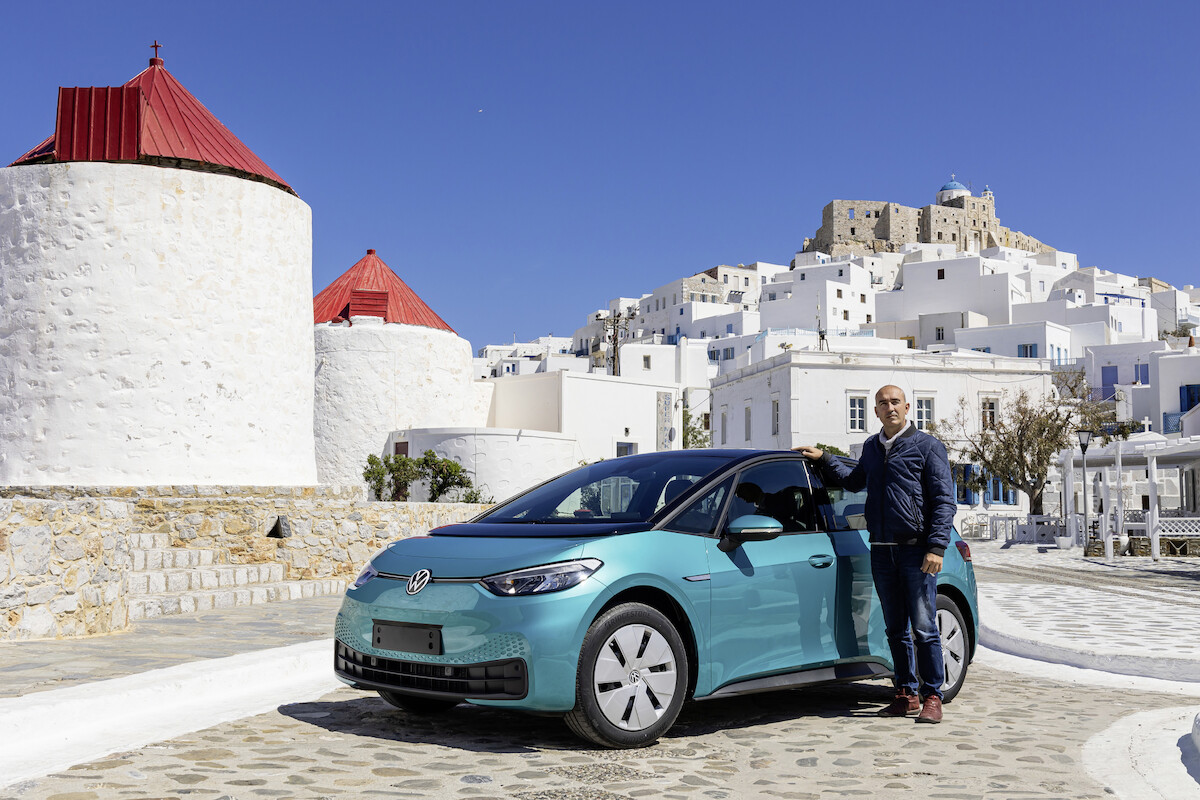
{"x":1085,"y":438}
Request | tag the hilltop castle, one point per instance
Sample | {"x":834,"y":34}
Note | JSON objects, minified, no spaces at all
{"x":958,"y":219}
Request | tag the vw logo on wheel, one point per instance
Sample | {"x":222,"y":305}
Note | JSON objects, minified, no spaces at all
{"x":418,"y":580}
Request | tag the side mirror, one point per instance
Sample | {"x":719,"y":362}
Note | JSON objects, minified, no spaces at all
{"x":749,"y":528}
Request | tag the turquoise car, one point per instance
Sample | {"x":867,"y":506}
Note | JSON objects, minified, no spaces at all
{"x":612,"y":593}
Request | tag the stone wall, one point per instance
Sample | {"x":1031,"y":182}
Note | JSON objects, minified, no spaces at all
{"x":314,"y":533}
{"x":63,"y":566}
{"x":65,"y":552}
{"x":864,"y":227}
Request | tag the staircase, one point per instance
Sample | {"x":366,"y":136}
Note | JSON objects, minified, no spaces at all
{"x":169,"y":580}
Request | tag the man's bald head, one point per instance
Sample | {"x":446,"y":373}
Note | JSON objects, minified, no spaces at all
{"x":892,"y":409}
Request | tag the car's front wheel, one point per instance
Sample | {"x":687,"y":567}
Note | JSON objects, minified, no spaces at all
{"x":632,"y":678}
{"x":956,"y":647}
{"x":416,"y":704}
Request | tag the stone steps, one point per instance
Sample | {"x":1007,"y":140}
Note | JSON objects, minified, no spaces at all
{"x":146,"y":559}
{"x":152,"y":606}
{"x":220,"y":576}
{"x":168,"y":580}
{"x":148,"y":541}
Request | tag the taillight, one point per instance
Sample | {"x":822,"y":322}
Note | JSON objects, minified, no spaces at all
{"x":964,"y":550}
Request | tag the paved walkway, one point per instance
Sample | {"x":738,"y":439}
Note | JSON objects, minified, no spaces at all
{"x":1131,"y":615}
{"x":1132,"y":619}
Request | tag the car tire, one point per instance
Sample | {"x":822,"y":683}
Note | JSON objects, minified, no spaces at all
{"x":416,"y":704}
{"x":956,"y":645}
{"x":631,"y":680}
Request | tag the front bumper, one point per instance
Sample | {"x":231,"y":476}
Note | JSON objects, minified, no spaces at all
{"x":517,"y":652}
{"x":495,"y":680}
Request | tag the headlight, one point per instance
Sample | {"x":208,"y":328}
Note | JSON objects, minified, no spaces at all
{"x":367,"y":574}
{"x":539,"y":580}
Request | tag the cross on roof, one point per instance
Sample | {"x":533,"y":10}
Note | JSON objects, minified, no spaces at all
{"x":156,"y":45}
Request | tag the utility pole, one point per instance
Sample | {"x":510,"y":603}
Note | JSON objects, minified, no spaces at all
{"x":822,"y":345}
{"x":616,"y":325}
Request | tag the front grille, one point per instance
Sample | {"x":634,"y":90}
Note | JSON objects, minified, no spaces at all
{"x":493,"y":680}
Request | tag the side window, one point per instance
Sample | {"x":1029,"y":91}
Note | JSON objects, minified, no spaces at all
{"x":777,"y":489}
{"x":701,"y":516}
{"x":848,"y":509}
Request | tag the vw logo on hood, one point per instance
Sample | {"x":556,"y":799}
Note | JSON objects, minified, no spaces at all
{"x":418,"y":581}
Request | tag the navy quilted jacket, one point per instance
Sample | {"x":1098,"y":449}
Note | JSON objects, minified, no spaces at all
{"x":910,"y":494}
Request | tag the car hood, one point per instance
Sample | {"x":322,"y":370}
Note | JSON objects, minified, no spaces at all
{"x":539,"y":530}
{"x":471,"y":557}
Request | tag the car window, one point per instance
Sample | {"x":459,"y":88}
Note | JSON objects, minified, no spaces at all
{"x":777,"y":489}
{"x":619,"y":490}
{"x":675,"y":487}
{"x":702,"y":515}
{"x":848,"y":509}
{"x":607,"y":497}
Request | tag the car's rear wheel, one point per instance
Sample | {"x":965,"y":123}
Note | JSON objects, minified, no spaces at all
{"x":956,"y":646}
{"x":632,"y":678}
{"x":416,"y":704}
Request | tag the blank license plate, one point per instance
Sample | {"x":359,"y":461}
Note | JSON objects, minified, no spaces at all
{"x":408,"y":638}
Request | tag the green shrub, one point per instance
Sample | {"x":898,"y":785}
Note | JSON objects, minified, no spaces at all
{"x":391,"y":477}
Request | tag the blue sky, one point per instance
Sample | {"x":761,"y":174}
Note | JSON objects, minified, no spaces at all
{"x":519,"y":163}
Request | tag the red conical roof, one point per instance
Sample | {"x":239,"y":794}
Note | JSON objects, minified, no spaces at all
{"x":152,"y":119}
{"x":370,"y":287}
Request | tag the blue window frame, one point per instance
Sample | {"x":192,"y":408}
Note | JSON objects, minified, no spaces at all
{"x":965,"y":495}
{"x":1189,"y":397}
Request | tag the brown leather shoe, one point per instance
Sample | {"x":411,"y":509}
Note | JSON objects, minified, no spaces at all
{"x":902,"y":704}
{"x":931,"y":710}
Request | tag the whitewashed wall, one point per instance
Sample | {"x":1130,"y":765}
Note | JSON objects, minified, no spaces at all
{"x":155,"y":327}
{"x":814,"y":391}
{"x":1168,"y":372}
{"x":502,"y":461}
{"x":965,"y":285}
{"x":597,"y":411}
{"x":373,"y":378}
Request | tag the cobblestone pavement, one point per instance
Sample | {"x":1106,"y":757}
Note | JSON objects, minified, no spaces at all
{"x":1006,"y":736}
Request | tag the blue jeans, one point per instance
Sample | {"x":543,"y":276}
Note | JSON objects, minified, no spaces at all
{"x":908,"y":598}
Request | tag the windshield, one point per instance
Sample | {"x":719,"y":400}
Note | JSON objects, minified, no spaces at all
{"x":628,"y":489}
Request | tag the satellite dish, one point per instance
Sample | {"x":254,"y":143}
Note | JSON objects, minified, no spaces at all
{"x":671,"y":435}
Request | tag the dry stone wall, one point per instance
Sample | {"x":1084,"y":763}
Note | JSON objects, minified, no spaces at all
{"x":63,"y":566}
{"x":65,"y":552}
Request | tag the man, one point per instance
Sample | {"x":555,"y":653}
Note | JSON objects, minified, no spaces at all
{"x":909,"y":510}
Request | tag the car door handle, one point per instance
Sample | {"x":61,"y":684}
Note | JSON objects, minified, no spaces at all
{"x":820,"y":562}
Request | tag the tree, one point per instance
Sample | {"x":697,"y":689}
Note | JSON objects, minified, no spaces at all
{"x":444,"y":474}
{"x":1027,"y":433}
{"x":694,"y":435}
{"x":391,"y":477}
{"x":833,"y":450}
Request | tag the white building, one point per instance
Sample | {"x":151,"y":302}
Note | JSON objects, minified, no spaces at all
{"x":1042,"y":339}
{"x":155,"y":301}
{"x":834,"y":296}
{"x":606,"y":415}
{"x":807,"y":397}
{"x":933,"y":280}
{"x":384,"y":362}
{"x":543,"y":354}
